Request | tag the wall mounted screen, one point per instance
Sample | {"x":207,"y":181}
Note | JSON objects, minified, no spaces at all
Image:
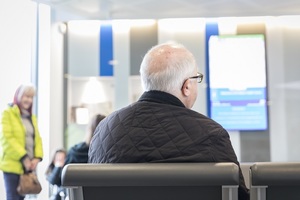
{"x":237,"y":82}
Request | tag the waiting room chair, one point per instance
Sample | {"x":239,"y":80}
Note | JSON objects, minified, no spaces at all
{"x":275,"y":181}
{"x":152,"y":181}
{"x":245,"y":167}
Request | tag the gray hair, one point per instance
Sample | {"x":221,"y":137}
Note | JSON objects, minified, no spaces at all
{"x":21,"y":90}
{"x":25,"y":89}
{"x":165,"y":67}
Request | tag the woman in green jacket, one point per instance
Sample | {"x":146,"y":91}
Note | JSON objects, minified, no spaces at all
{"x":21,"y":144}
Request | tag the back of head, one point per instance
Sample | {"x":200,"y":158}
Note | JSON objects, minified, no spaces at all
{"x":96,"y":119}
{"x":166,"y":66}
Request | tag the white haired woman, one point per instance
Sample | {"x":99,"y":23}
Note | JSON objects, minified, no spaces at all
{"x":21,"y":143}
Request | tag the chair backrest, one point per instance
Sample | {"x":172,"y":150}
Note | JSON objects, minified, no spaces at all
{"x":274,"y":181}
{"x":150,"y":181}
{"x":245,"y":167}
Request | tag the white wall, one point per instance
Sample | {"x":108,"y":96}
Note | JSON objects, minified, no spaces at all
{"x":18,"y":55}
{"x":17,"y":22}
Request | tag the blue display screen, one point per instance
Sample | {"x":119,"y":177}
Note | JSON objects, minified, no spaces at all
{"x":237,"y":82}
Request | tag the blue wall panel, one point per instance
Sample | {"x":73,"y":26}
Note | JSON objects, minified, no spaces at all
{"x":106,"y":50}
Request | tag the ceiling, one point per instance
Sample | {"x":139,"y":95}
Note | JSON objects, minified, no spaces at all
{"x":157,"y":9}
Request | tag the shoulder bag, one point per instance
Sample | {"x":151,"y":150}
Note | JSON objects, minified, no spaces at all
{"x":29,"y":184}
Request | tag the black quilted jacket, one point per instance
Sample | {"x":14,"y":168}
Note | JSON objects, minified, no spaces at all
{"x":158,"y":128}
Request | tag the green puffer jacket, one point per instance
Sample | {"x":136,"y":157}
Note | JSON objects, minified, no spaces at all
{"x":12,"y":138}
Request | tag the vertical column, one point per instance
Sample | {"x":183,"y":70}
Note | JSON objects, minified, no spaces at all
{"x":210,"y":29}
{"x":49,"y":94}
{"x":121,"y":66}
{"x":255,"y":143}
{"x":142,"y":38}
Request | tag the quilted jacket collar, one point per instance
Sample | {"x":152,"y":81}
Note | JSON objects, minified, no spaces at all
{"x":161,"y":97}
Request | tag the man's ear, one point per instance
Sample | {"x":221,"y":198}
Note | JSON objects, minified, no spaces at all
{"x":186,"y":88}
